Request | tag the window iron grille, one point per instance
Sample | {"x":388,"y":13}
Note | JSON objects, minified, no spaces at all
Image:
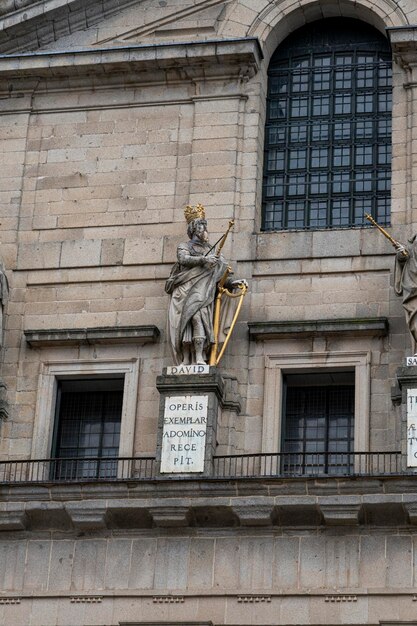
{"x":88,"y":429}
{"x":328,"y":129}
{"x":318,"y":429}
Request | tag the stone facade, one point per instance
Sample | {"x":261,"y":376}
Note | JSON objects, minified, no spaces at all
{"x":115,"y":114}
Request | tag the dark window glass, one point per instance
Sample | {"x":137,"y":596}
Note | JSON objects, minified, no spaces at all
{"x":298,"y":133}
{"x":364,"y":154}
{"x":363,"y":181}
{"x":299,"y":107}
{"x":295,"y":214}
{"x":318,"y":184}
{"x":340,"y":212}
{"x":343,"y":104}
{"x":296,"y":185}
{"x":88,"y":428}
{"x":341,"y":182}
{"x":328,"y":127}
{"x":320,"y":131}
{"x":276,"y":159}
{"x":298,"y":159}
{"x":318,"y":428}
{"x":341,"y":156}
{"x":318,"y":213}
{"x":319,"y":157}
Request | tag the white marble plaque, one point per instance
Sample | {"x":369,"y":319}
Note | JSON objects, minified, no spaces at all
{"x":184,"y":434}
{"x":175,"y":370}
{"x":412,"y":427}
{"x":411,"y":360}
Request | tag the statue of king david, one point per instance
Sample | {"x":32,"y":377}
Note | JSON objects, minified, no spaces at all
{"x":193,"y":285}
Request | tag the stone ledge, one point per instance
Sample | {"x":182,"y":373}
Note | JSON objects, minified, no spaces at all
{"x":101,"y":512}
{"x":372,"y":327}
{"x":378,"y":488}
{"x":75,"y":337}
{"x":228,"y":55}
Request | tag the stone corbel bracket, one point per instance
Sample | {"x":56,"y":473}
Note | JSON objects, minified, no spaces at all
{"x":254,"y":511}
{"x":404,"y":48}
{"x":13,"y":516}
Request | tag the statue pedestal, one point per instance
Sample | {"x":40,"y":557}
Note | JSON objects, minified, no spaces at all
{"x":407,"y":380}
{"x":191,"y":398}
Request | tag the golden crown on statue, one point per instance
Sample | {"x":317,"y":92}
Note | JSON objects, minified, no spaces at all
{"x":194,"y":212}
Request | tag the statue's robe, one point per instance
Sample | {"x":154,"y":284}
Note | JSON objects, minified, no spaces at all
{"x":193,"y":288}
{"x":405,"y":285}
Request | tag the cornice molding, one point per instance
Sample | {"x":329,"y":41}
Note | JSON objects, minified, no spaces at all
{"x":240,"y":57}
{"x":372,"y":327}
{"x":75,"y":337}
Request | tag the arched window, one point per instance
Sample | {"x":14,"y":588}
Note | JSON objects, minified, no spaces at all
{"x":328,"y":129}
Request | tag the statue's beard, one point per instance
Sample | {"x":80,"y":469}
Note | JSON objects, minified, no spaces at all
{"x":201,"y":237}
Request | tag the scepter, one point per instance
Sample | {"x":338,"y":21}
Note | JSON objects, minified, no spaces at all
{"x":220,"y":291}
{"x":221,"y":239}
{"x":394,"y":242}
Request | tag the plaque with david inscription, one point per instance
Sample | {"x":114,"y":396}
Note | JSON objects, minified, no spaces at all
{"x":184,"y":434}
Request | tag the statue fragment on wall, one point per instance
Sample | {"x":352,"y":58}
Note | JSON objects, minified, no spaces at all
{"x":405,"y":278}
{"x":202,"y":293}
{"x":405,"y":283}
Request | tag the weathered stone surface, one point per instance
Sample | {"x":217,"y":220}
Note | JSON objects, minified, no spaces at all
{"x":125,"y":117}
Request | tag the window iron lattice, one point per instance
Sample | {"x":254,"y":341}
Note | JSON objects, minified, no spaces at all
{"x":318,"y":431}
{"x":328,"y":130}
{"x":88,"y":431}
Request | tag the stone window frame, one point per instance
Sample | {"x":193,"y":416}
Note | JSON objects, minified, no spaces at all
{"x":276,"y":366}
{"x":53,"y":371}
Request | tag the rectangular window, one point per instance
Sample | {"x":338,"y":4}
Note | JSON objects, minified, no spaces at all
{"x":319,"y":423}
{"x":87,"y":428}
